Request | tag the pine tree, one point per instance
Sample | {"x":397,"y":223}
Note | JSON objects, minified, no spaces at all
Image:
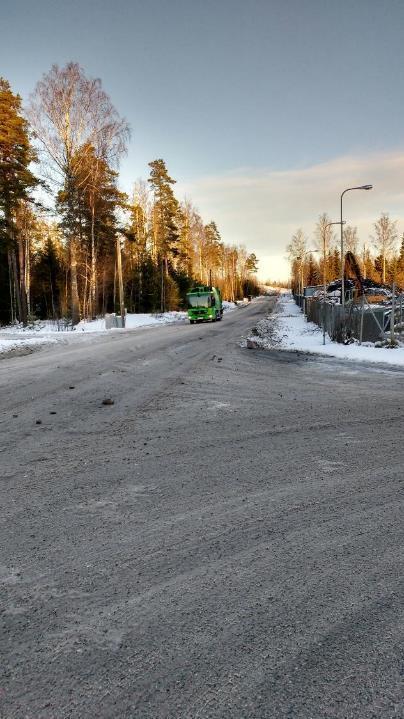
{"x":48,"y":275}
{"x":252,"y":263}
{"x":312,"y":272}
{"x":212,"y":251}
{"x":165,"y":210}
{"x":335,"y":264}
{"x":165,"y":227}
{"x":183,"y":262}
{"x":136,"y":234}
{"x":88,"y":208}
{"x":16,"y":184}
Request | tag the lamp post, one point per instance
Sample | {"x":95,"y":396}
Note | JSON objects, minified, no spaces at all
{"x":342,"y":222}
{"x":348,"y":189}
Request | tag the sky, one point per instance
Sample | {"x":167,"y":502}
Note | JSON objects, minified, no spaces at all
{"x":264,"y":110}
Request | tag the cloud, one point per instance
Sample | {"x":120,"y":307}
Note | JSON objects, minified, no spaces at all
{"x":262,"y":209}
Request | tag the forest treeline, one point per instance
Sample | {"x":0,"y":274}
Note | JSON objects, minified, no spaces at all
{"x":71,"y":243}
{"x":380,"y":257}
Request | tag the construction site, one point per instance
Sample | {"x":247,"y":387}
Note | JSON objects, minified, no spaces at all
{"x":354,"y":308}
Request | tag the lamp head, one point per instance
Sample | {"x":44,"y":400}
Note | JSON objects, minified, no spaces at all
{"x":367,"y":187}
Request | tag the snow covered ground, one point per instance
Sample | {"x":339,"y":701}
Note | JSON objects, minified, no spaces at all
{"x":288,"y":329}
{"x":16,"y":339}
{"x":50,"y":327}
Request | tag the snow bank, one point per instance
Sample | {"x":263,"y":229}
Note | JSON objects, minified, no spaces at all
{"x":133,"y":321}
{"x":227,"y":306}
{"x":49,"y":327}
{"x":17,"y":339}
{"x":23,"y":346}
{"x":288,"y":329}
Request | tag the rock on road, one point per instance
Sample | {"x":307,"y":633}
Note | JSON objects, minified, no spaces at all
{"x":225,"y":540}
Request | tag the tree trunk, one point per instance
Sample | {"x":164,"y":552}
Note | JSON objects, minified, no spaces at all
{"x":140,"y":303}
{"x":23,"y":290}
{"x":16,"y":284}
{"x":120,"y":279}
{"x":11,"y":286}
{"x":28,"y":273}
{"x":74,"y":294}
{"x":162,"y":292}
{"x":18,"y":276}
{"x":114,"y":291}
{"x":93,"y":264}
{"x":52,"y":298}
{"x":86,"y":299}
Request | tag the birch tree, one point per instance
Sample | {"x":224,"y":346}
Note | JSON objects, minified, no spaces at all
{"x":325,"y":240}
{"x":296,"y":250}
{"x":69,"y":112}
{"x":384,"y":240}
{"x":351,"y":239}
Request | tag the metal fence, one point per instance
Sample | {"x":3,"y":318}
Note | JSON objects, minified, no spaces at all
{"x":360,"y":319}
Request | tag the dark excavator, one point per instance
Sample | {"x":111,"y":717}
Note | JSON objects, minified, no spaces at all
{"x":351,"y":267}
{"x":355,"y":281}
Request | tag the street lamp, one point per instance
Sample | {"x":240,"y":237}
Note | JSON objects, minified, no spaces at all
{"x":348,"y":189}
{"x":342,"y":222}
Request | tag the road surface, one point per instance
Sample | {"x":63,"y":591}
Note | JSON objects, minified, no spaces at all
{"x":224,"y":541}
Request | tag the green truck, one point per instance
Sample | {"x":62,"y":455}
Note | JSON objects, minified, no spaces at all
{"x":204,"y":303}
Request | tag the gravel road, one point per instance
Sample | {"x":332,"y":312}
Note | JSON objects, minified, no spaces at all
{"x":225,"y":540}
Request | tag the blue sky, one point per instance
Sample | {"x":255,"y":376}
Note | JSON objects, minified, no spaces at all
{"x":263,"y":110}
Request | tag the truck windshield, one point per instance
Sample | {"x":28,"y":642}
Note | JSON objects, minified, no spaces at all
{"x":199,"y":301}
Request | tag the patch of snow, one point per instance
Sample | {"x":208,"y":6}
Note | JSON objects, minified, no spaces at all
{"x":227,"y":306}
{"x":288,"y":329}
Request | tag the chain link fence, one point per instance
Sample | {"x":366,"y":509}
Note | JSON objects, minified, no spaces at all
{"x":359,"y":319}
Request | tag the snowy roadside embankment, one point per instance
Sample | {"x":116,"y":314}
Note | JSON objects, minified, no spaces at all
{"x":19,"y":340}
{"x":11,"y":346}
{"x":133,"y":322}
{"x":227,"y":306}
{"x":287,"y":329}
{"x":51,"y":327}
